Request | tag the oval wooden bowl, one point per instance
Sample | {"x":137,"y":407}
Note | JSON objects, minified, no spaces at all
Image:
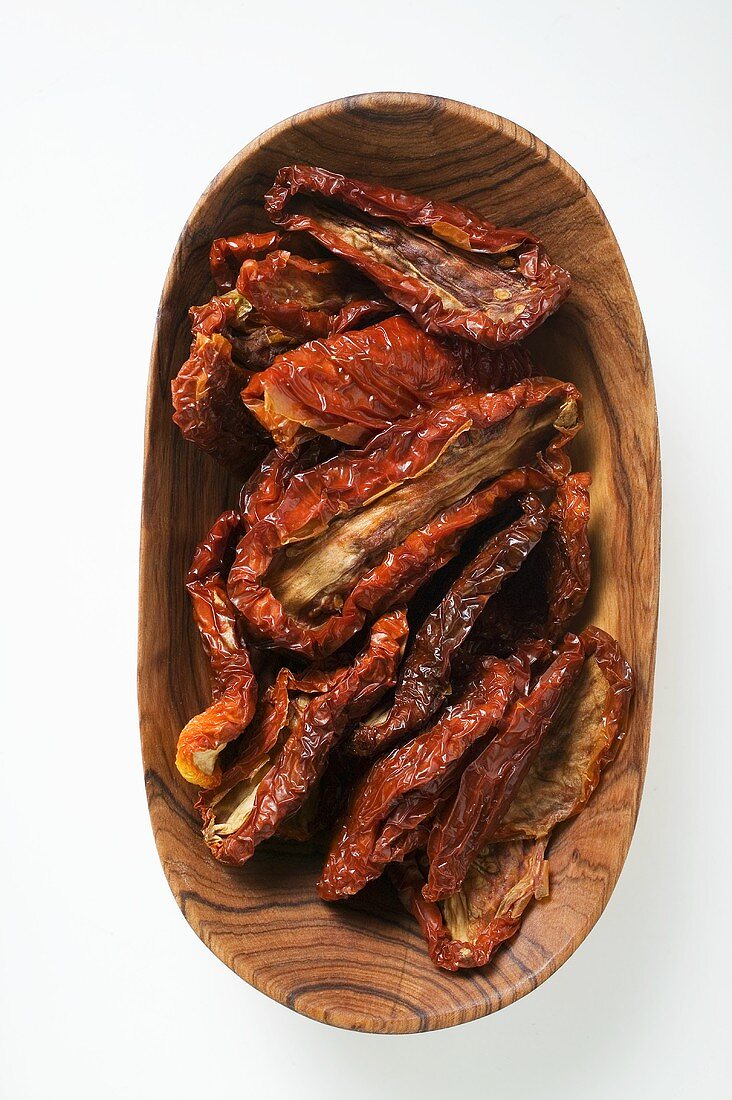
{"x":363,"y":965}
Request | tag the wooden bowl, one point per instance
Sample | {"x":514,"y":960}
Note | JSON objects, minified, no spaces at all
{"x":363,"y":965}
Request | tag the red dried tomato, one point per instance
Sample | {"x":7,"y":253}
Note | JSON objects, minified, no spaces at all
{"x":349,"y":537}
{"x":233,"y":685}
{"x":270,"y":787}
{"x":452,"y":270}
{"x":355,"y":384}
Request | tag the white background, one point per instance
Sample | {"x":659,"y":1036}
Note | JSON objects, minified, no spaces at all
{"x":114,"y":119}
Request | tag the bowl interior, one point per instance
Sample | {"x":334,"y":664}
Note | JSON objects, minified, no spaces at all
{"x":362,"y":964}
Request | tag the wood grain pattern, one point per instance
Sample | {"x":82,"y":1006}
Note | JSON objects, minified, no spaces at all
{"x":363,"y":965}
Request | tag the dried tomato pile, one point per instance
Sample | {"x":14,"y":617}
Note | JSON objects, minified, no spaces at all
{"x":366,"y":355}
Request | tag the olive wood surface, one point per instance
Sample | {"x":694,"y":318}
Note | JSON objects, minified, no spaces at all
{"x":363,"y":964}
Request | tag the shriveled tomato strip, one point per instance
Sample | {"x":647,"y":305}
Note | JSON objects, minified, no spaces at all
{"x":362,"y":518}
{"x":584,"y":735}
{"x":452,"y":270}
{"x":353,"y":385}
{"x":208,"y":408}
{"x":541,"y":600}
{"x":424,"y":679}
{"x":280,"y":787}
{"x":228,"y":254}
{"x":416,"y":772}
{"x":233,"y":685}
{"x":489,"y":783}
{"x":466,"y":929}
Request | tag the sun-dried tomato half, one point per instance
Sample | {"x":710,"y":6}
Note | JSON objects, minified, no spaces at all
{"x":452,"y":270}
{"x":267,"y":787}
{"x":490,"y":782}
{"x":347,"y":538}
{"x":402,"y":790}
{"x":208,"y":408}
{"x":229,"y":253}
{"x":353,"y":385}
{"x":424,"y":679}
{"x":542,"y":598}
{"x":233,"y":685}
{"x":466,"y":929}
{"x":583,"y":737}
{"x":309,"y":298}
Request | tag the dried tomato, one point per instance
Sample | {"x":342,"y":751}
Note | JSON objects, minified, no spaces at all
{"x":233,"y":685}
{"x":465,"y":929}
{"x":403,"y":788}
{"x":352,"y":385}
{"x":348,"y":537}
{"x":491,"y":780}
{"x":278,"y":782}
{"x":280,"y":708}
{"x":309,"y":298}
{"x":208,"y":406}
{"x":255,"y":341}
{"x":228,"y":254}
{"x":452,"y":270}
{"x":424,"y":679}
{"x":263,"y":491}
{"x":568,"y":553}
{"x":540,"y":601}
{"x":583,"y":737}
{"x":280,"y":299}
{"x":328,"y":798}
